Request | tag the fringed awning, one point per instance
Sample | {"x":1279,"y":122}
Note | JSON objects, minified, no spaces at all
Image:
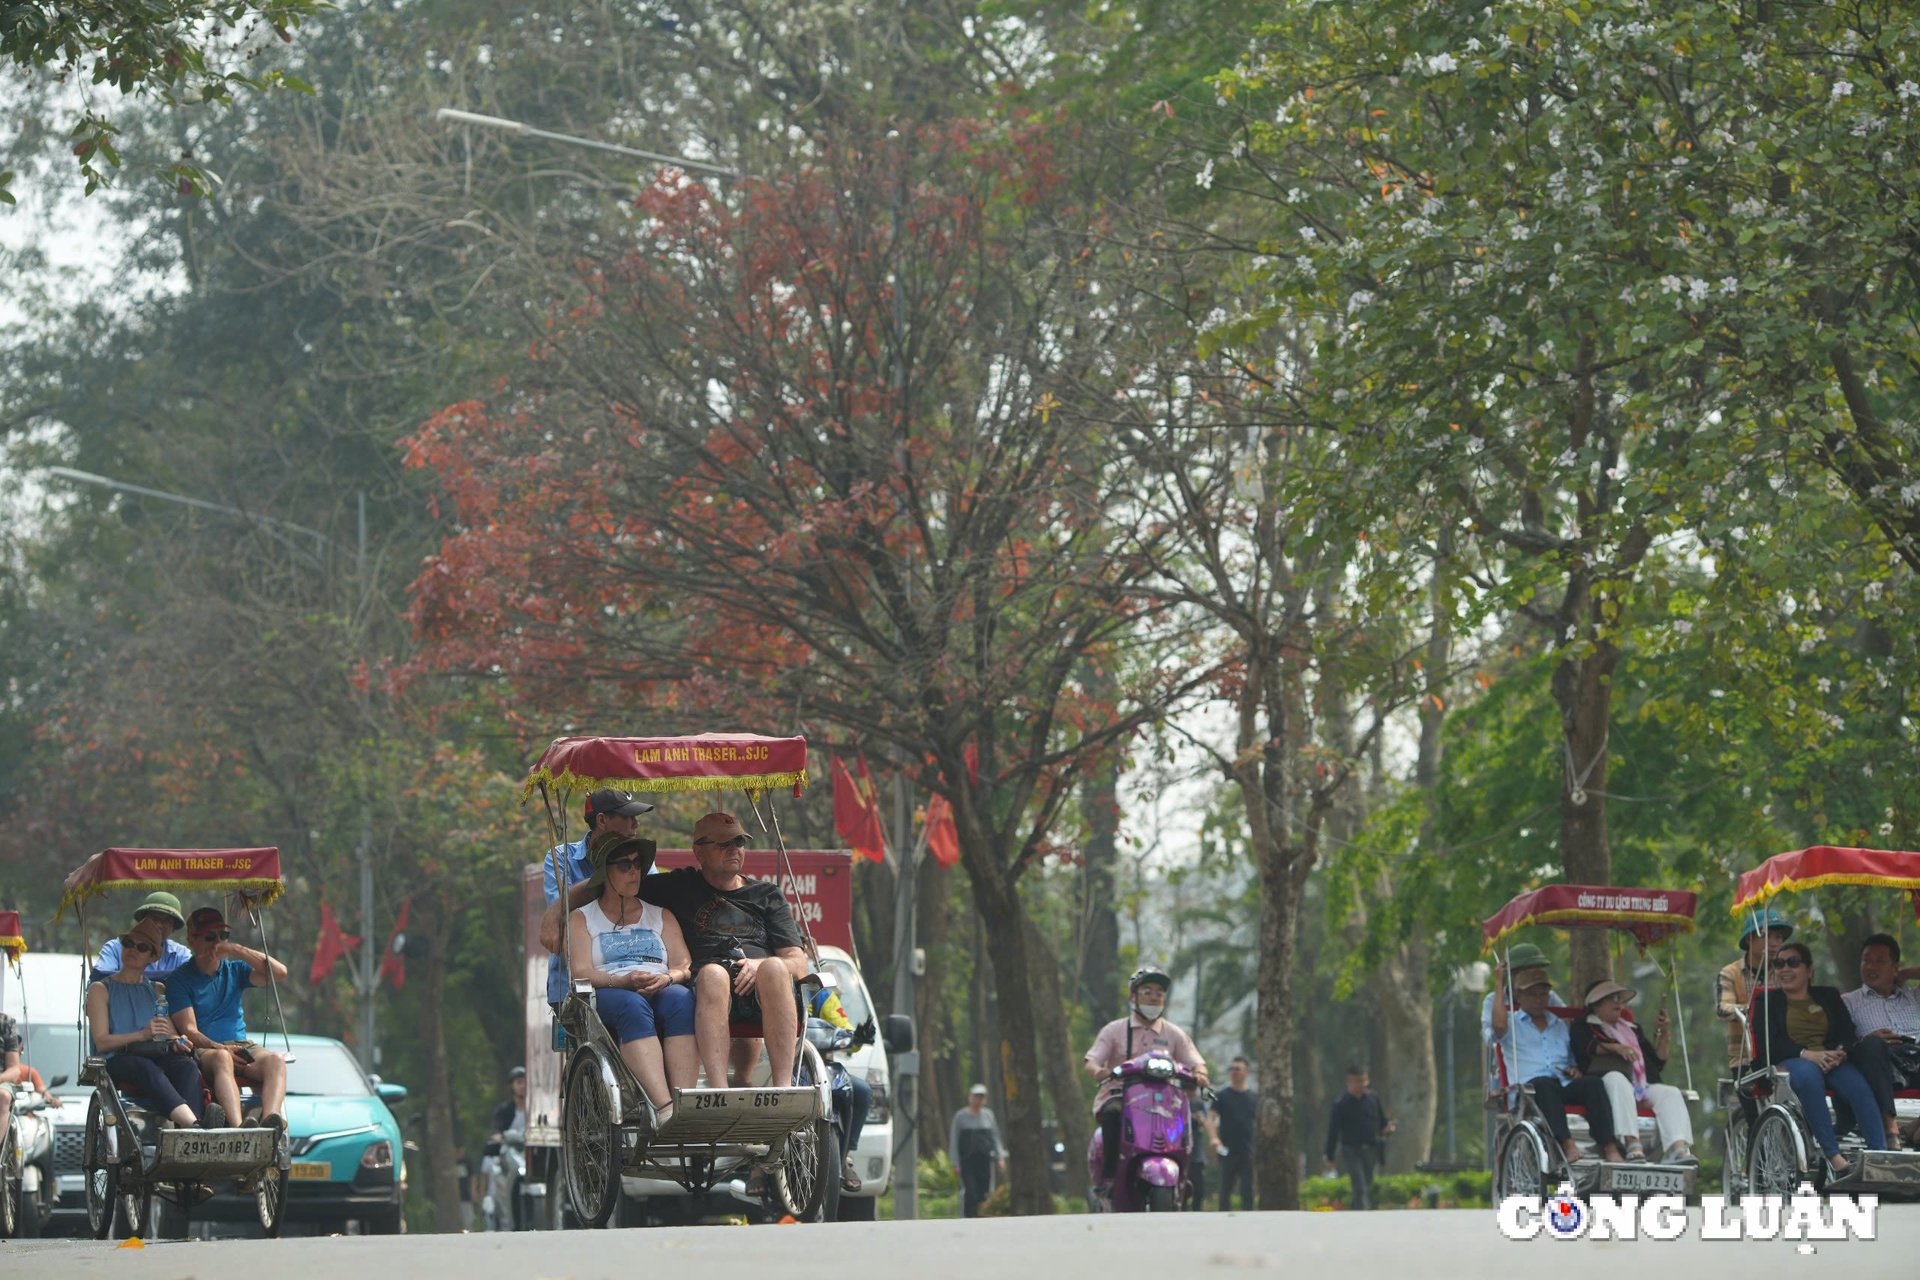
{"x":254,"y":874}
{"x":704,"y":762}
{"x":1648,"y":914}
{"x":1827,"y":864}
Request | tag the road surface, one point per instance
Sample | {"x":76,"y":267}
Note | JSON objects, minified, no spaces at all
{"x":1401,"y":1245}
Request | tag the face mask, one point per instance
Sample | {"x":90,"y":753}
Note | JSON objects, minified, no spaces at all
{"x":1150,"y":1012}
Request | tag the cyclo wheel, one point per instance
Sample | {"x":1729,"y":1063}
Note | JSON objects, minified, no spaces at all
{"x":589,"y":1141}
{"x":1517,"y":1166}
{"x":270,"y":1200}
{"x":1777,"y":1161}
{"x":102,"y":1178}
{"x":1733,"y":1169}
{"x":133,"y":1208}
{"x":9,"y":1184}
{"x":799,"y":1182}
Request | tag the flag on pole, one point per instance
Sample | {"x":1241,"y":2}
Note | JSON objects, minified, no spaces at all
{"x":333,"y":944}
{"x":943,"y":837}
{"x":856,"y":812}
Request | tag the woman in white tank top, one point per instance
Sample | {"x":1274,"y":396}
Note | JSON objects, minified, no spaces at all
{"x":635,"y":957}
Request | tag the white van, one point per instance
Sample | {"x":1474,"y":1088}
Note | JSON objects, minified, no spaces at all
{"x":45,"y":1001}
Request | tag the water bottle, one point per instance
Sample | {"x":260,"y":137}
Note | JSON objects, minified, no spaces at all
{"x":160,"y":1011}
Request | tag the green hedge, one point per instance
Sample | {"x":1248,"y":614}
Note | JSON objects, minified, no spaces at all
{"x":1472,"y":1190}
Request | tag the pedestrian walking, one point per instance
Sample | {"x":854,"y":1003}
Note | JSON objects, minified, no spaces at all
{"x":974,"y":1146}
{"x":1357,"y":1131}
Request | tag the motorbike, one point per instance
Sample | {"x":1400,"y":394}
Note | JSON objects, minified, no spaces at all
{"x":26,"y":1163}
{"x":503,"y":1205}
{"x":1156,"y":1138}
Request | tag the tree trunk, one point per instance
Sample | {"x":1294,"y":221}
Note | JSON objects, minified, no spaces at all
{"x":1583,"y":689}
{"x":1060,"y":1062}
{"x":1100,"y":981}
{"x":934,"y":1030}
{"x":1405,"y":1017}
{"x":1018,"y":1066}
{"x":443,"y":1182}
{"x":1276,"y":1171}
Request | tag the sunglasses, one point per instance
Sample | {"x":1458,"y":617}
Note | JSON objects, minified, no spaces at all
{"x":1789,"y":962}
{"x":215,"y":935}
{"x":128,"y":942}
{"x":624,"y":864}
{"x":738,"y":842}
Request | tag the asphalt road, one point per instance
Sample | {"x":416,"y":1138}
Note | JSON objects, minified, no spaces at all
{"x":1400,"y":1245}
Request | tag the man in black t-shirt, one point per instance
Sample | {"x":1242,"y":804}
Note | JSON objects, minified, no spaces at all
{"x":1234,"y":1109}
{"x":719,"y":909}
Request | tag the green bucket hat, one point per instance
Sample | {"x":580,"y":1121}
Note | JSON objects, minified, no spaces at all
{"x":1525,"y":955}
{"x":608,"y":845}
{"x":1752,"y":922}
{"x":162,"y":904}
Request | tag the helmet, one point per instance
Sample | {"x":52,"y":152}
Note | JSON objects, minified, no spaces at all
{"x":1752,"y":922}
{"x":1148,"y":973}
{"x":518,"y":1073}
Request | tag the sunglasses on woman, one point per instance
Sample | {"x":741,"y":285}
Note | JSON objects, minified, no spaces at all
{"x":1789,"y":962}
{"x":624,"y":864}
{"x":130,"y":943}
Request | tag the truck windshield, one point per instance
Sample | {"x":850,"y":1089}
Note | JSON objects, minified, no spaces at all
{"x":53,"y":1049}
{"x":852,"y":993}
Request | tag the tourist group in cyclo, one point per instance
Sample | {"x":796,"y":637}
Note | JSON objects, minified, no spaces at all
{"x":700,"y":1034}
{"x":1822,"y":1083}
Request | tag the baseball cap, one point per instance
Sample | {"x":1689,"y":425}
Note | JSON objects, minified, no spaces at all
{"x":607,"y":800}
{"x":204,"y":917}
{"x":978,"y":1091}
{"x":718,"y":828}
{"x":517,"y":1073}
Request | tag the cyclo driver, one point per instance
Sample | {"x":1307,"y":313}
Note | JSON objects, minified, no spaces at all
{"x":720,"y":912}
{"x":1124,"y":1039}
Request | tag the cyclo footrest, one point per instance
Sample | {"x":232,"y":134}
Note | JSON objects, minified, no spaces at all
{"x":704,"y":1116}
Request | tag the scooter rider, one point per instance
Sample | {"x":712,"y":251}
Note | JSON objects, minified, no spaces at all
{"x":1124,"y":1039}
{"x":508,"y":1117}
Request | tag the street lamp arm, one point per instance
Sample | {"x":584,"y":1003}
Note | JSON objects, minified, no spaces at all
{"x":87,"y":477}
{"x":453,"y":115}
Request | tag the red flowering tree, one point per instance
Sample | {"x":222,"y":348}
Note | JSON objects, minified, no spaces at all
{"x":823,"y":448}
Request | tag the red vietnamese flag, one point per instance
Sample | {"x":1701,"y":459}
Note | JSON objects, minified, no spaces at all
{"x":943,"y":837}
{"x":393,"y":964}
{"x":333,"y":945}
{"x":855,"y":817}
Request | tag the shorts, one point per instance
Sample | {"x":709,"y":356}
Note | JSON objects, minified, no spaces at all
{"x":244,"y":1052}
{"x":631,"y":1016}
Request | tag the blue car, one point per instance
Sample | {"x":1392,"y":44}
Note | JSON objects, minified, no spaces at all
{"x":347,"y":1162}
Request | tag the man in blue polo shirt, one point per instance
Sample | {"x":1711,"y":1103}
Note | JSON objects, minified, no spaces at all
{"x":607,"y":810}
{"x":205,"y":1000}
{"x":1538,"y":1051}
{"x":164,"y":910}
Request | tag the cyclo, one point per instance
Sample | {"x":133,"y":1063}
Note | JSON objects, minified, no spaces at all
{"x":1527,"y":1160}
{"x":1767,"y":1134}
{"x":129,"y":1158}
{"x":782,"y":1131}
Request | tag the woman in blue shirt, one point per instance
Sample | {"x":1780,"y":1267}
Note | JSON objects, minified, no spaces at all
{"x":146,"y":1054}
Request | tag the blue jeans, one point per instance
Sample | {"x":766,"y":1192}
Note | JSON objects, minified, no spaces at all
{"x":1810,"y":1085}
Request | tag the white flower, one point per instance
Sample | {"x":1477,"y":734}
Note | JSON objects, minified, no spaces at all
{"x":1886,"y":828}
{"x":1823,"y":684}
{"x":1204,"y":178}
{"x":1682,"y":626}
{"x":1441,"y":63}
{"x":1295,"y":195}
{"x":1360,"y":298}
{"x":1729,"y":284}
{"x":1308,"y":233}
{"x":1697,"y":290}
{"x":1496,"y":326}
{"x":1841,"y":89}
{"x":1908,"y":89}
{"x":1570,"y":632}
{"x":1671,"y":284}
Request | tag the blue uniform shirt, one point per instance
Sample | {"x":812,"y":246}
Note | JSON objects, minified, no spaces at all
{"x":215,"y":997}
{"x":579,"y":870}
{"x":171,"y":957}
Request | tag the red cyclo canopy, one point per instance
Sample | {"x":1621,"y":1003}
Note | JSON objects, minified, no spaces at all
{"x":1826,"y":864}
{"x":11,"y":942}
{"x":254,"y":874}
{"x":703,"y":762}
{"x":1648,"y":914}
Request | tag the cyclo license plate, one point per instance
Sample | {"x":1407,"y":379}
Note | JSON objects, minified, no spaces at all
{"x":1658,"y":1180}
{"x":219,"y":1147}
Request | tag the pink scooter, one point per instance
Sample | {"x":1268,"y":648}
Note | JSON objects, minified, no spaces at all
{"x":1156,"y":1139}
